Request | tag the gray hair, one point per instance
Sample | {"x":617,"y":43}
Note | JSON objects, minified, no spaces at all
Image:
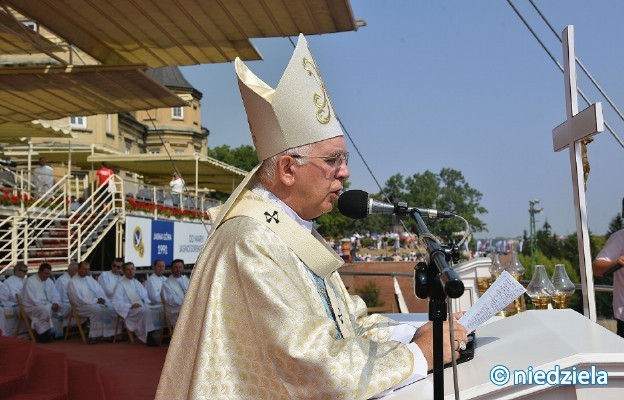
{"x":266,"y":173}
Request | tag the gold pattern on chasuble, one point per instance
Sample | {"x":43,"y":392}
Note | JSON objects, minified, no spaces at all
{"x":323,"y":114}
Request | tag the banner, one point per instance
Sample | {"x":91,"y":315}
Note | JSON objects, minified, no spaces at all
{"x":188,"y":241}
{"x":148,"y":239}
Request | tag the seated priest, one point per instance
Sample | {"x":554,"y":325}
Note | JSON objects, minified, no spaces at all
{"x":174,"y":289}
{"x":8,"y":304}
{"x":91,"y":302}
{"x":267,"y":315}
{"x":108,"y":279}
{"x":132,"y":304}
{"x":153,"y":284}
{"x":42,"y":304}
{"x":63,"y":280}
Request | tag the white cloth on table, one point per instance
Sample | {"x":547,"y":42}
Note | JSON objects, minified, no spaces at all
{"x":84,"y":293}
{"x":37,"y":298}
{"x":108,"y":281}
{"x":140,"y":320}
{"x":173,"y":291}
{"x":153,"y":286}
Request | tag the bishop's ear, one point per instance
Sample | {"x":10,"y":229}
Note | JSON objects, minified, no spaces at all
{"x":285,"y":170}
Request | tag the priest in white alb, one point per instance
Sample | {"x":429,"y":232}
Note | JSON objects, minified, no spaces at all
{"x":132,"y":304}
{"x":266,"y":315}
{"x":63,"y":280}
{"x":8,"y":304}
{"x":174,"y":289}
{"x":153,"y":284}
{"x":108,"y":279}
{"x":42,"y":304}
{"x":91,"y":302}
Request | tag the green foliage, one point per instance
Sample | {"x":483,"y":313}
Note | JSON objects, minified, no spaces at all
{"x":616,"y":224}
{"x":243,"y":157}
{"x":370,"y":295}
{"x":447,"y":190}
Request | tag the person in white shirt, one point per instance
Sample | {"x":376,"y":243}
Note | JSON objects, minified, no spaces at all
{"x":153,"y":284}
{"x":42,"y":304}
{"x":174,"y":289}
{"x":43,"y":176}
{"x":63,"y":280}
{"x":108,"y":279}
{"x":132,"y":304}
{"x":177,"y":188}
{"x":91,"y":302}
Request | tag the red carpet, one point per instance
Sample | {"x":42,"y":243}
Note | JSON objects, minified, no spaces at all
{"x":74,"y":370}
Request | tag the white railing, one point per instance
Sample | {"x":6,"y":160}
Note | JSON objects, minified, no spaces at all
{"x":48,"y":231}
{"x":94,"y":218}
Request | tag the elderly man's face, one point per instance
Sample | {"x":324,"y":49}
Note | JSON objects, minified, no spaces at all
{"x":159,"y":268}
{"x":129,"y":271}
{"x":318,"y":183}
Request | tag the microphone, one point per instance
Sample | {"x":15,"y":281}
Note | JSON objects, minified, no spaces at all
{"x":357,"y":204}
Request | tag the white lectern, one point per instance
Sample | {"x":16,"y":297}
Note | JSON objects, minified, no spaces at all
{"x":543,"y":340}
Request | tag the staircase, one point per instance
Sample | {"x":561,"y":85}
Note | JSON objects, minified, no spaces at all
{"x":48,"y":231}
{"x":30,"y":372}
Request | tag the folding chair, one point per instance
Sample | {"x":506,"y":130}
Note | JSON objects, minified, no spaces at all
{"x":130,"y":334}
{"x":74,"y":314}
{"x":23,"y":317}
{"x":166,"y":320}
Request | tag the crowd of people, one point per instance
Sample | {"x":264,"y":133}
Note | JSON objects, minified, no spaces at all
{"x":115,"y":294}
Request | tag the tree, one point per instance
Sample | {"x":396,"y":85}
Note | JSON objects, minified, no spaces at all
{"x":243,"y":157}
{"x":447,"y":190}
{"x":616,"y":224}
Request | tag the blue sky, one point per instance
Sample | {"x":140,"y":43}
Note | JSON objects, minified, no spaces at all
{"x":459,"y":84}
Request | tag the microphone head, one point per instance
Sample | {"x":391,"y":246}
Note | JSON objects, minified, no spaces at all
{"x":353,"y":204}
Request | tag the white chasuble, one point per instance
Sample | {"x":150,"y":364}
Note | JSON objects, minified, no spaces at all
{"x":253,"y":325}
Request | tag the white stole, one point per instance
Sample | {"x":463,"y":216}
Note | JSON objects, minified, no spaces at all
{"x":131,"y":292}
{"x":176,"y":285}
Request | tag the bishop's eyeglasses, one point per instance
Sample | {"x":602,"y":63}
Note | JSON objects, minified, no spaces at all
{"x":335,"y":160}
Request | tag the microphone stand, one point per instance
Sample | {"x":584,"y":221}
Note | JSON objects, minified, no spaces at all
{"x":436,"y":281}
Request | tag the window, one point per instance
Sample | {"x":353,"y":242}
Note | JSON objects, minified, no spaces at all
{"x":177,"y":113}
{"x":78,"y":122}
{"x":30,"y":25}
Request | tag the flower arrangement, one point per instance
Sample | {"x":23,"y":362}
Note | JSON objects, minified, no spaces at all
{"x":10,"y":199}
{"x":143,"y":206}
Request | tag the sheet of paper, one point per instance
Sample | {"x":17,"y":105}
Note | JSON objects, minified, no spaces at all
{"x":503,"y":291}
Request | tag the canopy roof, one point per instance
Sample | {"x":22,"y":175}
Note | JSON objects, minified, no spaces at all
{"x":19,"y":132}
{"x":15,"y":38}
{"x":182,"y":32}
{"x":212,"y":174}
{"x":54,"y":92}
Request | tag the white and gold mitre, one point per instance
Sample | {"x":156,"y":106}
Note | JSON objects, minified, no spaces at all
{"x":297,"y":112}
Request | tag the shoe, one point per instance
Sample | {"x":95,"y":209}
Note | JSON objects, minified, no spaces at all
{"x":108,"y":339}
{"x":151,"y":341}
{"x":92,"y":340}
{"x":45,"y":337}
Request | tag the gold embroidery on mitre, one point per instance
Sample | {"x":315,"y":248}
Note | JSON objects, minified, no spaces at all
{"x":320,"y":100}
